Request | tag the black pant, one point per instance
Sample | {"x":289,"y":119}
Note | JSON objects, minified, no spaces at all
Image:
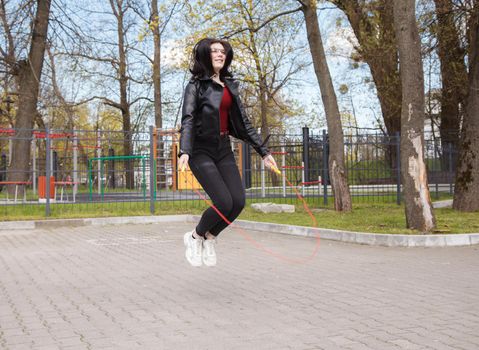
{"x":214,"y":166}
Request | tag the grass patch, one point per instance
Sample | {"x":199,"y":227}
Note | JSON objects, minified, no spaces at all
{"x":377,"y":217}
{"x":87,"y":210}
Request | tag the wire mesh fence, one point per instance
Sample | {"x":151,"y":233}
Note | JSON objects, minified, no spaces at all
{"x":65,"y":173}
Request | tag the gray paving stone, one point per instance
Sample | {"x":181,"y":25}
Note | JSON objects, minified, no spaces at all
{"x":128,"y":287}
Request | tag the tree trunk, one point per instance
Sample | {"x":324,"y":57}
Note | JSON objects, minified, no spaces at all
{"x":156,"y":62}
{"x":337,"y":171}
{"x":378,"y":49}
{"x":259,"y":70}
{"x":454,"y":75}
{"x":419,"y":213}
{"x":161,"y":162}
{"x":466,"y":195}
{"x":29,"y":73}
{"x":124,"y":104}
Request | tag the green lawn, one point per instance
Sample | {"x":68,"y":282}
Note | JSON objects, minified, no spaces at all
{"x":378,"y":217}
{"x":367,"y":217}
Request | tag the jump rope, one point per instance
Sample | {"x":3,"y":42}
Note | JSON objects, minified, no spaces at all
{"x":250,"y":239}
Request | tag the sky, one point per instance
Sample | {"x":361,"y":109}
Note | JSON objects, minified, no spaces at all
{"x":337,"y":40}
{"x":337,"y":36}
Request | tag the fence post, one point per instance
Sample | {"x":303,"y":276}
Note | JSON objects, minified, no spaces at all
{"x":325,"y":168}
{"x":75,"y":164}
{"x":450,"y":166}
{"x":98,"y":155}
{"x":306,"y":153}
{"x":246,"y":165}
{"x":303,"y":179}
{"x":152,"y":172}
{"x":111,"y":169}
{"x":398,"y":168}
{"x":3,"y":167}
{"x":263,"y":192}
{"x":435,"y":168}
{"x":34,"y":164}
{"x":47,"y":170}
{"x":55,"y":164}
{"x":283,"y":169}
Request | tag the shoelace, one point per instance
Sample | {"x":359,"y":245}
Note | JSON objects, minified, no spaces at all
{"x":197,"y":246}
{"x":209,"y":246}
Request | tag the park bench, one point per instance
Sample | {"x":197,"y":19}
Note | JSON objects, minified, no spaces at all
{"x":17,"y":185}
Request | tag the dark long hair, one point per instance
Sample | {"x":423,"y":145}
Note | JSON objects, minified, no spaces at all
{"x":201,"y":64}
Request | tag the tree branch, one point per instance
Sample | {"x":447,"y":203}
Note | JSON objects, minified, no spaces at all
{"x":254,"y":30}
{"x":139,"y":99}
{"x":112,"y":61}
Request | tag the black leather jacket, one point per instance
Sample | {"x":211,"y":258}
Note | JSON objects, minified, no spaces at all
{"x":201,"y":116}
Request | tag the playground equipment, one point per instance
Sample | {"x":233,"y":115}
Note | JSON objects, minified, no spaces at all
{"x":282,"y":168}
{"x":101,"y":161}
{"x":185,"y":180}
{"x":87,"y":157}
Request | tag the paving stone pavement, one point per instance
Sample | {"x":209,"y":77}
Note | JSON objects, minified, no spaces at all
{"x":129,"y":287}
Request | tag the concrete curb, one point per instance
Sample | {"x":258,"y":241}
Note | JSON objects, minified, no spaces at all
{"x":442,"y":204}
{"x":118,"y":220}
{"x":374,"y":239}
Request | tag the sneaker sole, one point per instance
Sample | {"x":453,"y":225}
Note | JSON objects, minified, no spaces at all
{"x":209,"y":264}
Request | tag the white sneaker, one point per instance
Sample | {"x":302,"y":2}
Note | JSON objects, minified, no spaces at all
{"x":209,"y":253}
{"x":194,"y":248}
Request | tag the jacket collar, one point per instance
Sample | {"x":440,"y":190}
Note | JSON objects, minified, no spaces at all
{"x":230,"y":82}
{"x":232,"y":85}
{"x":205,"y":77}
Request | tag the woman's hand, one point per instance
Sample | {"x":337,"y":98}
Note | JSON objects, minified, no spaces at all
{"x":270,"y":163}
{"x":183,"y":162}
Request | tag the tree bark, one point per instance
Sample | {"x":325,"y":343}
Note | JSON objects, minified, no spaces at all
{"x":466,"y":195}
{"x":419,"y":213}
{"x":337,"y":170}
{"x":377,"y":47}
{"x":155,"y":28}
{"x":155,"y":19}
{"x":118,"y":11}
{"x":454,"y":76}
{"x":262,"y":84}
{"x":29,"y":73}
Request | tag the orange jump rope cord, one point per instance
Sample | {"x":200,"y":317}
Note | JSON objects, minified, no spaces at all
{"x":255,"y":243}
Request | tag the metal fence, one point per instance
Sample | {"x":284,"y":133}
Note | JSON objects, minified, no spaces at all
{"x":70,"y":171}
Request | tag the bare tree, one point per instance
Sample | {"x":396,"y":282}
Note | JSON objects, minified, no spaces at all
{"x":109,"y":55}
{"x":337,"y":170}
{"x":157,"y":24}
{"x":373,"y":26}
{"x":29,"y":73}
{"x":453,"y":74}
{"x":466,"y":195}
{"x":155,"y":28}
{"x":419,"y":213}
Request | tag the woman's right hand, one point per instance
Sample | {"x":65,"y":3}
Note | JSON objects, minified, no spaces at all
{"x":183,"y":162}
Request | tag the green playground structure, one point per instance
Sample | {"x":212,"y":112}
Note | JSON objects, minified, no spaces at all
{"x":109,"y":158}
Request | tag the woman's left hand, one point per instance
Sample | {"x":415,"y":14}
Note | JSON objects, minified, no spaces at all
{"x":270,"y":163}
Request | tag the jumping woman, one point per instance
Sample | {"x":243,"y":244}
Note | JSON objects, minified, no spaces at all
{"x":212,"y":112}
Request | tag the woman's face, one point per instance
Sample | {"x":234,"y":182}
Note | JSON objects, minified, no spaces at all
{"x":218,"y":56}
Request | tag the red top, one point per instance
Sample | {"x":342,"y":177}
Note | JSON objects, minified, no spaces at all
{"x":225,"y":106}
